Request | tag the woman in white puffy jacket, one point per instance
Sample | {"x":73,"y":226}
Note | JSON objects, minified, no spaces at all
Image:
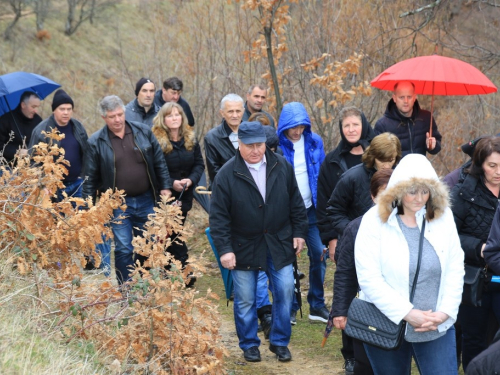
{"x":386,"y":253}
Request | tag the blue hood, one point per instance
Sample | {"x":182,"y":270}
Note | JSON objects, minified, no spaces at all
{"x":292,"y":115}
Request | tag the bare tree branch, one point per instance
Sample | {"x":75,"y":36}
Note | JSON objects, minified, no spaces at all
{"x":415,"y":11}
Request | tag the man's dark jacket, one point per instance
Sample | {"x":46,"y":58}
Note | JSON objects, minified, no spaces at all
{"x":184,"y":104}
{"x":486,"y":363}
{"x":330,"y":172}
{"x":100,"y":169}
{"x":78,"y":131}
{"x":242,"y":223}
{"x":15,"y":121}
{"x":345,"y":285}
{"x":218,"y":149}
{"x":134,"y":112}
{"x":351,"y":197}
{"x":474,"y":207}
{"x":492,"y":250}
{"x":410,"y":130}
{"x":247,"y":114}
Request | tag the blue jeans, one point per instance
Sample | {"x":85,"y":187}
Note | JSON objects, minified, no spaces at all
{"x":132,"y":223}
{"x":245,"y":305}
{"x":74,"y":190}
{"x":475,"y":323}
{"x":432,"y":357}
{"x":262,"y":290}
{"x":104,"y":249}
{"x":317,"y":267}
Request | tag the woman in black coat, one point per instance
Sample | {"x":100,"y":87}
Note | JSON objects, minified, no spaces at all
{"x":346,"y":285}
{"x":184,"y":161}
{"x":475,"y":200}
{"x":356,"y":135}
{"x":351,"y":197}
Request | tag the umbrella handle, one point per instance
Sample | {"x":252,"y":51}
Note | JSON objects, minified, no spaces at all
{"x":432,"y":109}
{"x":202,"y":190}
{"x":323,"y":342}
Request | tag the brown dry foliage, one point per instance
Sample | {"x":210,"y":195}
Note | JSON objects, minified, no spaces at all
{"x":152,"y":323}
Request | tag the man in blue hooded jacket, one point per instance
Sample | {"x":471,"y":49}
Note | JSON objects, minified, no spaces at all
{"x":304,"y":150}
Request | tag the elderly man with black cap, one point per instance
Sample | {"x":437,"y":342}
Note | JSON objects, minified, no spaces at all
{"x":74,"y":142}
{"x":258,"y":222}
{"x":143,"y":108}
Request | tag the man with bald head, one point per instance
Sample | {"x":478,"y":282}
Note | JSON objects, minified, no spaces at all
{"x":404,"y":118}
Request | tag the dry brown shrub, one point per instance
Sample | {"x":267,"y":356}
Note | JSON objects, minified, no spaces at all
{"x":153,"y":323}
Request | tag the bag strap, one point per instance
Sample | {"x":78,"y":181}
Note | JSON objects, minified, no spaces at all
{"x":420,"y":247}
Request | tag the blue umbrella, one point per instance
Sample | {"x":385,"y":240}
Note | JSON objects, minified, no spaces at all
{"x":227,"y":277}
{"x":12,"y":86}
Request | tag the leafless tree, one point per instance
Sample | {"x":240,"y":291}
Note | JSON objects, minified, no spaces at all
{"x":80,"y":11}
{"x":17,"y":7}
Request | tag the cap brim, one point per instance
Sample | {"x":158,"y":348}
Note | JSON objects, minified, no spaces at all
{"x":251,"y":140}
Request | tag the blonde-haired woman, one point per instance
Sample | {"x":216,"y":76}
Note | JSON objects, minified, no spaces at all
{"x":184,"y":160}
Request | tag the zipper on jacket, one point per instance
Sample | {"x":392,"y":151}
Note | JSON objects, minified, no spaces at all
{"x":411,"y":140}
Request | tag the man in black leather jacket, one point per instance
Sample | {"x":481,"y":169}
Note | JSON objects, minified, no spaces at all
{"x":126,"y":155}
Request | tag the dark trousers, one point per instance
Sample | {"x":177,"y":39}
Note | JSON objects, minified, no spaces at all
{"x":347,"y":346}
{"x":178,"y":248}
{"x":475,"y":325}
{"x":362,"y":365}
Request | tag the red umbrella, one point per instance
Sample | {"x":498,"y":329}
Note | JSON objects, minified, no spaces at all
{"x":436,"y":75}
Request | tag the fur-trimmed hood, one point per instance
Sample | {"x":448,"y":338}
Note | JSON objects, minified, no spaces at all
{"x":414,"y":170}
{"x":165,"y":144}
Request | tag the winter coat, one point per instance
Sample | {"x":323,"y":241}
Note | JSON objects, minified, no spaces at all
{"x":491,"y":251}
{"x":218,"y":149}
{"x":292,"y":115}
{"x":243,"y":223}
{"x":134,"y":112}
{"x":247,"y":114}
{"x":411,"y":131}
{"x":182,"y":164}
{"x":486,"y":363}
{"x":474,"y":207}
{"x":345,"y":284}
{"x":100,"y":170}
{"x":381,"y":250}
{"x":17,"y":123}
{"x":351,"y":197}
{"x":78,"y":131}
{"x":183,"y":103}
{"x":331,"y":169}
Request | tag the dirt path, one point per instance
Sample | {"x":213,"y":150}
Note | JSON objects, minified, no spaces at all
{"x":301,"y":363}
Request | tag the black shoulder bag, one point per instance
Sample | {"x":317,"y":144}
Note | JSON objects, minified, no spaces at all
{"x":367,"y":323}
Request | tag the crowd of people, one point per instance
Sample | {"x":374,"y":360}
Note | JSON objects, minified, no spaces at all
{"x":275,"y":191}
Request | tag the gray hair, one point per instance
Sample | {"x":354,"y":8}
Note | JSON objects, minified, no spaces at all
{"x":110,"y":103}
{"x":350,"y":111}
{"x":231,"y":98}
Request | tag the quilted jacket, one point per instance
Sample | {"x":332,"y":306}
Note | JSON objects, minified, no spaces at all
{"x":474,"y":207}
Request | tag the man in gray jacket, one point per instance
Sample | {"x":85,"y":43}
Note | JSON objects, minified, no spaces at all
{"x":143,"y":108}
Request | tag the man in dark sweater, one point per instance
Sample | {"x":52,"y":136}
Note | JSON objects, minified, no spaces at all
{"x":19,"y":124}
{"x":171,"y":92}
{"x":125,"y":155}
{"x":76,"y":151}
